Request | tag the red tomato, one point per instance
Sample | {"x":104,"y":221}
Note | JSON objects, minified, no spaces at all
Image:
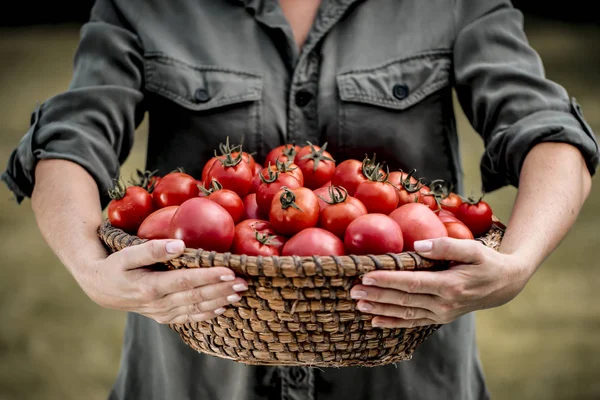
{"x":409,"y":188}
{"x":451,"y":202}
{"x":233,"y":173}
{"x":323,"y":195}
{"x":446,"y":216}
{"x":348,"y":174}
{"x":249,"y":159}
{"x":271,"y":184}
{"x":314,"y":242}
{"x":458,"y":230}
{"x":173,"y":189}
{"x":476,"y":215}
{"x":418,"y":222}
{"x":428,"y":198}
{"x":326,"y":185}
{"x":129,"y":207}
{"x":255,"y":237}
{"x":397,"y":177}
{"x":251,"y":208}
{"x":284,"y":153}
{"x":207,"y":168}
{"x":378,"y":197}
{"x":342,"y":210}
{"x":373,"y":234}
{"x":317,"y":165}
{"x":288,"y":168}
{"x":257,"y":167}
{"x":293,"y":210}
{"x":227,"y":199}
{"x":203,"y":224}
{"x":156,"y":225}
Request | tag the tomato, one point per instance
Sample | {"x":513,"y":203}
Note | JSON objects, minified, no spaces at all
{"x":293,"y":210}
{"x":314,"y":242}
{"x":232,"y":173}
{"x":377,"y":196}
{"x":373,"y":234}
{"x":156,"y":225}
{"x":271,"y":184}
{"x":207,"y":168}
{"x":428,"y":198}
{"x":418,"y":222}
{"x":326,"y":185}
{"x":288,"y":168}
{"x":397,"y":177}
{"x":342,"y":210}
{"x":446,"y":216}
{"x":451,"y":202}
{"x":323,"y":195}
{"x":203,"y":224}
{"x":227,"y":199}
{"x":249,"y":159}
{"x":476,"y":215}
{"x":129,"y":206}
{"x":256,"y":181}
{"x":257,"y":168}
{"x":284,"y":153}
{"x":316,"y":164}
{"x":255,"y":237}
{"x":348,"y":174}
{"x":173,"y":189}
{"x":251,"y":208}
{"x":458,"y":230}
{"x":409,"y":188}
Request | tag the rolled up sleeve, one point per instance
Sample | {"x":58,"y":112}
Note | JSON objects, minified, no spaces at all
{"x":94,"y":121}
{"x":502,"y":89}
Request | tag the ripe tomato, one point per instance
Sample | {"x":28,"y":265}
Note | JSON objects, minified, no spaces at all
{"x":323,"y":195}
{"x":257,"y":167}
{"x":207,"y":168}
{"x":255,"y":237}
{"x":156,"y":225}
{"x":428,"y":198}
{"x":316,"y":164}
{"x":418,"y":222}
{"x":128,"y":206}
{"x":409,"y":188}
{"x":251,"y":208}
{"x":271,"y":184}
{"x":203,"y":224}
{"x":476,"y":215}
{"x":173,"y":189}
{"x":227,"y":199}
{"x":446,"y":216}
{"x":373,"y":234}
{"x":314,"y":242}
{"x":451,"y":202}
{"x":397,"y":177}
{"x":233,"y":173}
{"x":284,"y":153}
{"x":285,"y":168}
{"x":293,"y":210}
{"x":342,"y":210}
{"x":378,"y":196}
{"x":348,"y":174}
{"x":458,"y":230}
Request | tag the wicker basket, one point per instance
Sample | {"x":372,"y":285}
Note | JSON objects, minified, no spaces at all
{"x":298,"y":310}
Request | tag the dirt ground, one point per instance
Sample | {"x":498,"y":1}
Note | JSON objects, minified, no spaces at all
{"x":56,"y":344}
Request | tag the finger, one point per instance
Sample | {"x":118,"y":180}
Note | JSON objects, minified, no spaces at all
{"x":204,"y":294}
{"x":391,"y":322}
{"x":204,"y":307}
{"x":157,"y":284}
{"x":392,"y":310}
{"x":148,"y":253}
{"x":188,"y":318}
{"x":459,"y":250}
{"x":397,"y":297}
{"x":424,"y":282}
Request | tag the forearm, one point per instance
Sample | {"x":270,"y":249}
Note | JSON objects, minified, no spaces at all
{"x":67,"y":208}
{"x":553,"y":186}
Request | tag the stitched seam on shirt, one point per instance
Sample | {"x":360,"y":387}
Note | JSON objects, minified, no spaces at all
{"x":431,"y":54}
{"x":159,"y":58}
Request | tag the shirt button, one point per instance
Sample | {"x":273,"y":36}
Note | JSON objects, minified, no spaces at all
{"x":303,"y":98}
{"x":400,"y":91}
{"x":201,"y":96}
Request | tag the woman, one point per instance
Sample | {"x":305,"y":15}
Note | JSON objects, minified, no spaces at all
{"x":372,"y":76}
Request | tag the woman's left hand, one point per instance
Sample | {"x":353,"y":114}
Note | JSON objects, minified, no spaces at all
{"x":480,"y":278}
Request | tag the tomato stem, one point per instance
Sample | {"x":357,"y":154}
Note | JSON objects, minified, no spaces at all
{"x":215,"y":186}
{"x":317,"y":155}
{"x":337,"y":194}
{"x":272,"y":175}
{"x":144,"y":180}
{"x":265,"y":239}
{"x":288,"y":199}
{"x":117,"y":192}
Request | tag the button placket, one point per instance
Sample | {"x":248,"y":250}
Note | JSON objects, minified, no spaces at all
{"x":297,"y":383}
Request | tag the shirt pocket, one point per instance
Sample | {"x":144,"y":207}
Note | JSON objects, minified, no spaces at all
{"x":196,"y":107}
{"x":398,"y":110}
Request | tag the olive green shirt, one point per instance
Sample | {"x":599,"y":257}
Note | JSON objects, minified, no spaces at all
{"x":374,"y":76}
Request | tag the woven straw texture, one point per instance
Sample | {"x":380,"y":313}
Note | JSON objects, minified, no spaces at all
{"x":298,"y":310}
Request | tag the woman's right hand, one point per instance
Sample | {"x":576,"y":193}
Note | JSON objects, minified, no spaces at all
{"x":123,"y":281}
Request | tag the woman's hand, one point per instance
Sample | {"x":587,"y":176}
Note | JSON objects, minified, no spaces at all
{"x":122,"y":281}
{"x":479,"y":278}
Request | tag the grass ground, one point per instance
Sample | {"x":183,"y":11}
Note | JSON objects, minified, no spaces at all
{"x":56,"y":344}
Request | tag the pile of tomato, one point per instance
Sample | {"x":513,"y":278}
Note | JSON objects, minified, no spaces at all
{"x":300,"y":202}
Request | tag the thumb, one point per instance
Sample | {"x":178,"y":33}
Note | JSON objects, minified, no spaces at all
{"x":150,"y":252}
{"x":450,"y":249}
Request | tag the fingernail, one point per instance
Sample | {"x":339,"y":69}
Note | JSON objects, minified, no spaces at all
{"x":365,"y":306}
{"x":358,"y":294}
{"x":239,"y":287}
{"x":176,"y":246}
{"x":423,"y":245}
{"x":227,"y":278}
{"x":219,"y":311}
{"x":233,"y":298}
{"x":368,"y":281}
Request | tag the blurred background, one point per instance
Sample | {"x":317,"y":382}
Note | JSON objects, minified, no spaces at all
{"x":56,"y":344}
